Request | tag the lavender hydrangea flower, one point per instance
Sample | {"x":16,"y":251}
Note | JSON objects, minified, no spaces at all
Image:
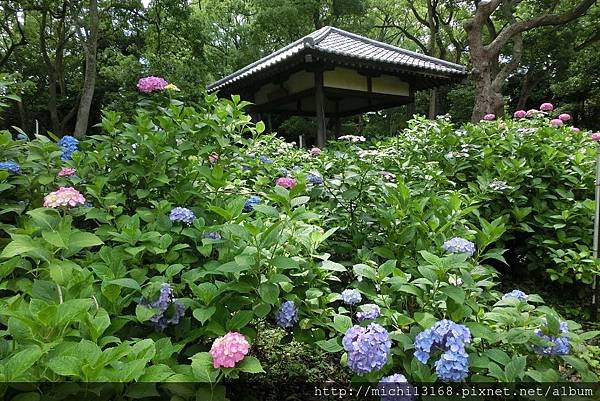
{"x":287,"y":315}
{"x":451,"y":339}
{"x":151,"y":84}
{"x":212,"y":235}
{"x":69,"y":146}
{"x":11,"y":166}
{"x":265,"y":160}
{"x":561,"y":345}
{"x":368,"y":312}
{"x":351,"y":297}
{"x":395,"y":388}
{"x":459,"y":245}
{"x":520,"y":295}
{"x":315,"y":179}
{"x":368,"y":348}
{"x":163,"y":303}
{"x":182,"y":214}
{"x":249,"y":205}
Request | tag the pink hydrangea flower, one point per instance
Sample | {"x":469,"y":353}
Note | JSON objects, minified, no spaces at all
{"x":213,"y":158}
{"x":520,"y":114}
{"x":489,"y":117}
{"x":315,"y":151}
{"x":151,"y":84}
{"x":66,"y":172}
{"x":286,"y":182}
{"x":229,"y":350}
{"x":575,"y":129}
{"x":556,"y":122}
{"x":564,"y":117}
{"x":547,"y":107}
{"x":65,"y":196}
{"x":596,"y":136}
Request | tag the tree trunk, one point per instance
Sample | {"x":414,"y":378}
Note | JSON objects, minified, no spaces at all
{"x":89,"y":81}
{"x":433,"y":95}
{"x":530,"y":81}
{"x":487,"y":98}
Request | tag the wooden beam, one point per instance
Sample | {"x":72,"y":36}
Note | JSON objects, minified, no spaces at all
{"x":320,"y":109}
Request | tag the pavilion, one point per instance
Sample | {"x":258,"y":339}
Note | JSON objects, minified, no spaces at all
{"x":332,"y":73}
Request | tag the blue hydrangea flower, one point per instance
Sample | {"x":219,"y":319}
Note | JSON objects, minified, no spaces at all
{"x":22,"y":137}
{"x":265,"y":160}
{"x":10,"y":166}
{"x":451,"y":339}
{"x":163,"y":303}
{"x":212,"y":235}
{"x":453,"y":366}
{"x":284,"y":171}
{"x":459,"y":245}
{"x":396,"y":388}
{"x":287,"y":315}
{"x":315,"y":179}
{"x":367,"y":348}
{"x":296,"y":168}
{"x":368,"y":312}
{"x":69,"y":146}
{"x":246,"y":168}
{"x":351,"y":297}
{"x":249,"y":205}
{"x":520,"y":295}
{"x":182,"y":214}
{"x":561,"y":345}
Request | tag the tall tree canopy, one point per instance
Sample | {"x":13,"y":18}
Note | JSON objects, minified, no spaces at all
{"x":71,"y":58}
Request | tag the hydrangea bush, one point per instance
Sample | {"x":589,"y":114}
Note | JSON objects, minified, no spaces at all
{"x":158,"y":262}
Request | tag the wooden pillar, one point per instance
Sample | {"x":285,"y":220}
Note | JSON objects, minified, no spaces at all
{"x":410,"y":107}
{"x":320,"y":109}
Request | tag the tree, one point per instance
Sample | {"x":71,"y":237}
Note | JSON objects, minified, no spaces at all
{"x":89,"y":80}
{"x":488,"y":75}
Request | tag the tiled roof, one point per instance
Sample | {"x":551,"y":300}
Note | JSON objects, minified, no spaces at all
{"x":337,"y":42}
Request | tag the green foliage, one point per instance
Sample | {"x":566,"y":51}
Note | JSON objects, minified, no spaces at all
{"x":75,"y":280}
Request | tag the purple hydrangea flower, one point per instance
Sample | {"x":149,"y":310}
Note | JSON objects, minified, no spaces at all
{"x":395,"y":388}
{"x":520,"y":295}
{"x":69,"y":146}
{"x":368,"y":348}
{"x":151,"y":84}
{"x":212,"y":235}
{"x":351,"y":297}
{"x":368,"y":312}
{"x":451,"y":339}
{"x":287,"y":315}
{"x":561,"y":345}
{"x":164,"y":301}
{"x":11,"y":166}
{"x":249,"y":205}
{"x":459,"y":245}
{"x":315,"y":179}
{"x":182,"y":214}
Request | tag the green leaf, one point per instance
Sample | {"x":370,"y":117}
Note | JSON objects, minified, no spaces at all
{"x":269,"y":293}
{"x":456,"y":293}
{"x":144,"y":313}
{"x":342,"y":323}
{"x":203,"y":314}
{"x":240,"y":319}
{"x":331,"y":345}
{"x":24,"y":245}
{"x":82,"y":239}
{"x":332,"y":266}
{"x":515,"y":368}
{"x":425,"y":319}
{"x":21,"y":361}
{"x":65,"y":365}
{"x":126,"y":282}
{"x":250,"y":365}
{"x":202,"y":368}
